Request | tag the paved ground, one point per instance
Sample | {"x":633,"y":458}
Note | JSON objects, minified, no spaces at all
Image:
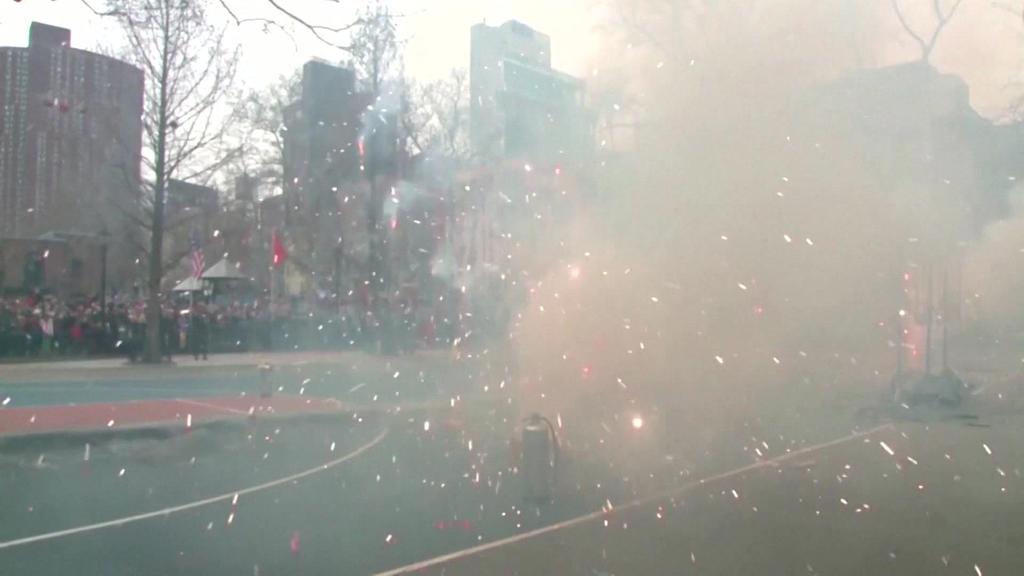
{"x":432,"y":473}
{"x":909,"y":500}
{"x":420,"y":473}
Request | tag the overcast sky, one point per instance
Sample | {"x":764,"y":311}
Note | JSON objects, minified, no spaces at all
{"x":984,"y":44}
{"x":437,"y":31}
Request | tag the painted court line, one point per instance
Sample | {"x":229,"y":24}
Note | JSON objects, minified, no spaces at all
{"x":196,"y":503}
{"x":431,"y":562}
{"x":213,"y":406}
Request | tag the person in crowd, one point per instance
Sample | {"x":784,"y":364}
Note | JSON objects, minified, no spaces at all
{"x":199,"y":332}
{"x":168,"y":333}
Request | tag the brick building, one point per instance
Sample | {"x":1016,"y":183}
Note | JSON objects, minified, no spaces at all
{"x":70,"y":135}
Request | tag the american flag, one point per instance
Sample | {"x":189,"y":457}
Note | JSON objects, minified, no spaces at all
{"x":198,"y":260}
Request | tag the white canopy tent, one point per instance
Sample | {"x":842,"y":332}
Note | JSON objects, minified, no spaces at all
{"x":190,"y":284}
{"x":223,"y":270}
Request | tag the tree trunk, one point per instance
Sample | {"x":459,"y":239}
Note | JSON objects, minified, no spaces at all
{"x":156,"y":244}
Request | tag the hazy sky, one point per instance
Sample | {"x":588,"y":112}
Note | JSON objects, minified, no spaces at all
{"x":984,"y":44}
{"x":437,"y":31}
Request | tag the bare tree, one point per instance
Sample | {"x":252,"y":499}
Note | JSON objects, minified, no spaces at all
{"x":283,"y":11}
{"x":942,"y":18}
{"x":374,"y":45}
{"x":435,"y":115}
{"x":189,"y":70}
{"x":261,"y":126}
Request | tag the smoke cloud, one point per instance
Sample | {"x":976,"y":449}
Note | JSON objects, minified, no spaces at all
{"x":742,"y":265}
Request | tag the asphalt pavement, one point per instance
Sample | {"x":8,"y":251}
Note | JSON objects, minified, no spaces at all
{"x":424,"y":466}
{"x":418,"y":467}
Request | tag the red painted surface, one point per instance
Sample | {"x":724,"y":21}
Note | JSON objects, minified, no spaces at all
{"x":155,"y":413}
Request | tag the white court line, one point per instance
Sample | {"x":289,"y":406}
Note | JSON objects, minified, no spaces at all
{"x":635,"y":503}
{"x":208,"y":405}
{"x":196,"y":503}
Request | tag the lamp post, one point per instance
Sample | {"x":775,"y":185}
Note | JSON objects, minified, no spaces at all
{"x":104,"y":242}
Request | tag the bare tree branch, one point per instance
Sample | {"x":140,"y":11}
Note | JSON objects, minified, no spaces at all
{"x":909,"y":30}
{"x":942,"y":19}
{"x":316,"y":29}
{"x":98,"y":12}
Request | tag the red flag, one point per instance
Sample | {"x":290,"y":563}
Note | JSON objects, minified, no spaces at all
{"x":280,"y":253}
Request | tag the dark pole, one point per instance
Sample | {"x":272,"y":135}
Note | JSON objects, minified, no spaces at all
{"x":945,"y":312}
{"x":103,"y":283}
{"x":338,"y":255}
{"x":928,"y":328}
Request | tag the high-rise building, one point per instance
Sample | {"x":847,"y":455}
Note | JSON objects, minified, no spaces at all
{"x":520,"y":106}
{"x":70,"y":136}
{"x":324,"y":185}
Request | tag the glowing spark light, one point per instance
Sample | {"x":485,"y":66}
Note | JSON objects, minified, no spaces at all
{"x":886,"y":448}
{"x":638,"y":422}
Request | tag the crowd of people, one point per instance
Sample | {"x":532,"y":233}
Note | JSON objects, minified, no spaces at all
{"x":37,"y":325}
{"x":42,"y":325}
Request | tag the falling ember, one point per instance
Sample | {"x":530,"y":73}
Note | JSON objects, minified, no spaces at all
{"x":638,"y":422}
{"x":735,"y":494}
{"x":121,"y":473}
{"x":388,"y":539}
{"x":977,"y":570}
{"x":886,"y":448}
{"x":720,"y":360}
{"x":6,"y":401}
{"x":987,"y":449}
{"x":426,"y":425}
{"x":188,"y":421}
{"x":231,"y":518}
{"x":110,"y":424}
{"x":332,"y":446}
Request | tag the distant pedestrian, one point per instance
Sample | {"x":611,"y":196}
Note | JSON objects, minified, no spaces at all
{"x":168,"y":334}
{"x":199,"y":332}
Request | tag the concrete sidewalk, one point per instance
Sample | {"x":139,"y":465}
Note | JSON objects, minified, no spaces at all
{"x":70,"y":369}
